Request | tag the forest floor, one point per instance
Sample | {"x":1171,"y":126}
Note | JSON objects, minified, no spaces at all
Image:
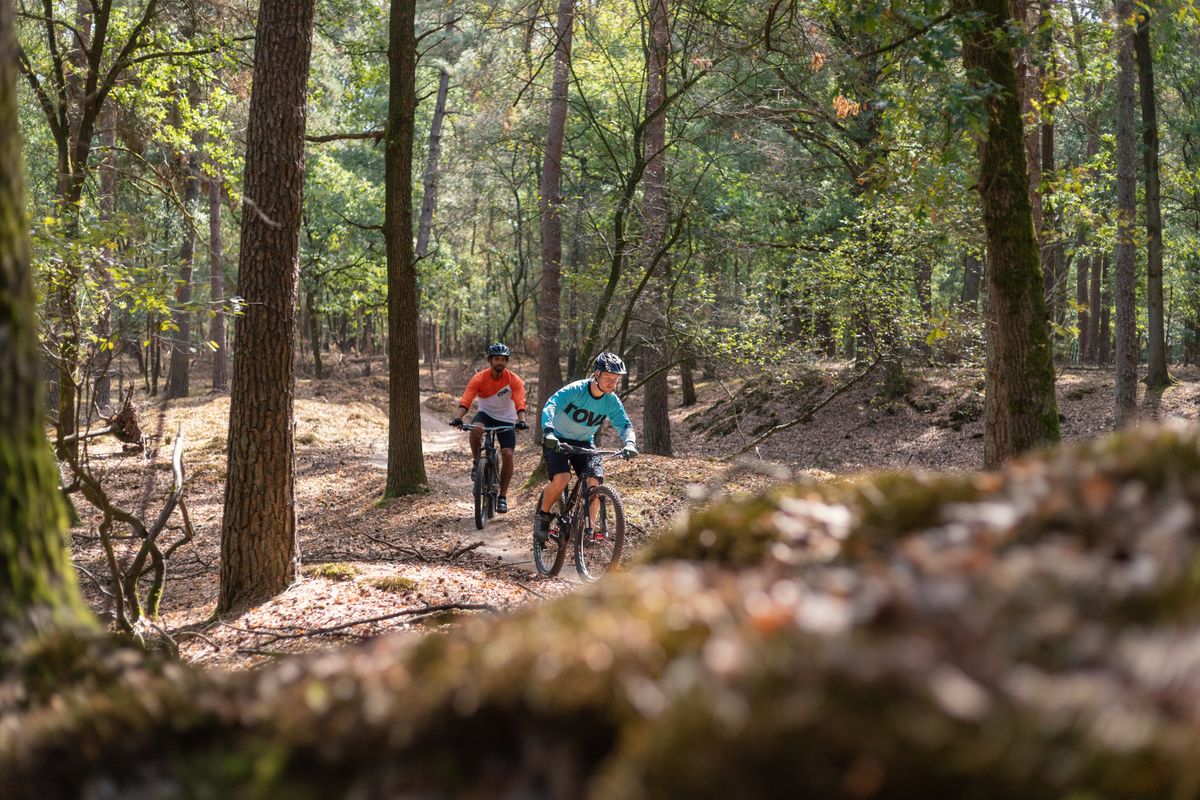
{"x":415,"y":561}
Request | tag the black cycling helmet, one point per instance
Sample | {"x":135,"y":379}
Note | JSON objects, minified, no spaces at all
{"x":610,"y":362}
{"x":498,"y":349}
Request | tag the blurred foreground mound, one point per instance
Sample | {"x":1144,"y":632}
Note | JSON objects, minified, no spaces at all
{"x":1025,"y":634}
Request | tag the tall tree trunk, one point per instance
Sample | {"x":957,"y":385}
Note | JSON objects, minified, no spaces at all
{"x":1049,"y":235}
{"x":1104,"y":335}
{"x":1030,"y":94}
{"x":972,"y":275}
{"x":406,"y":463}
{"x":107,"y":200}
{"x":38,"y":594}
{"x":549,"y":204}
{"x":687,"y":380}
{"x":429,"y":198}
{"x":260,"y":554}
{"x":1123,"y":250}
{"x":1019,"y":409}
{"x":656,"y":420}
{"x":1097,"y":303}
{"x":1156,"y":373}
{"x":216,"y":331}
{"x":924,"y":286}
{"x":314,"y":332}
{"x":1082,"y":315}
{"x":179,"y":377}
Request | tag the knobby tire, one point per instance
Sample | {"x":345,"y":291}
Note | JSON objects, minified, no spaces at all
{"x":596,"y":555}
{"x":480,"y":492}
{"x":548,"y":556}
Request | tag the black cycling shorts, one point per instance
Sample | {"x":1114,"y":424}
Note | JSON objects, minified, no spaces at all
{"x":557,"y":462}
{"x":507,"y":439}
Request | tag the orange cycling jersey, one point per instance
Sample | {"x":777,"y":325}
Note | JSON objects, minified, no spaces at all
{"x":500,"y":398}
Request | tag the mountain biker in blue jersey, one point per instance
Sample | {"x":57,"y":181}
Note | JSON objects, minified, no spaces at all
{"x":573,"y":415}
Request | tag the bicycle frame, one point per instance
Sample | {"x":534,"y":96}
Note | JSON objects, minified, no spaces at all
{"x":487,"y":484}
{"x":581,"y":504}
{"x":573,"y":494}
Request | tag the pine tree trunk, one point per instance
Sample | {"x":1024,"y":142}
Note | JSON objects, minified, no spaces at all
{"x":1049,"y":235}
{"x":314,"y":332}
{"x":38,"y":593}
{"x":429,"y":199}
{"x":406,"y":464}
{"x":260,"y":554}
{"x":1082,"y":316}
{"x":179,"y":376}
{"x":107,"y":201}
{"x":1029,"y":92}
{"x":1104,"y":337}
{"x":687,"y":380}
{"x":550,"y":203}
{"x":216,"y":331}
{"x":1156,"y":373}
{"x":1019,"y":410}
{"x":656,"y":420}
{"x":972,"y":275}
{"x":1097,"y":303}
{"x":1124,"y":249}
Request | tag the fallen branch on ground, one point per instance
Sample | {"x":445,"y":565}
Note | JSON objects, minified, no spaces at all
{"x":459,"y":551}
{"x":408,"y":612}
{"x":408,"y":551}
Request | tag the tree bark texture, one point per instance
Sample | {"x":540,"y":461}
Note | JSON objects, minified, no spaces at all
{"x":550,"y":202}
{"x":1124,"y":248}
{"x":259,"y":551}
{"x":179,"y":377}
{"x":1029,"y":91}
{"x":216,"y":264}
{"x":656,"y":421}
{"x":406,"y":464}
{"x":1020,"y":411}
{"x":1156,"y":351}
{"x":38,"y":593}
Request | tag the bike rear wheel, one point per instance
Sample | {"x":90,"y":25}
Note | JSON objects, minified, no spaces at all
{"x":598,"y":544}
{"x":548,"y":556}
{"x":480,"y":490}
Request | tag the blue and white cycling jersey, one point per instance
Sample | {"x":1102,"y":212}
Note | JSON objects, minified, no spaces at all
{"x":573,"y":413}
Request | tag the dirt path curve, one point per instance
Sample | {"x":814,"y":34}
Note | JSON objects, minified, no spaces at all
{"x":507,"y":537}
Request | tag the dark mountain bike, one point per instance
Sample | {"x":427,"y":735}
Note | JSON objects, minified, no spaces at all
{"x":486,"y":487}
{"x":592,"y":518}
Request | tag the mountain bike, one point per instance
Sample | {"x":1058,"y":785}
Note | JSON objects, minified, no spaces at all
{"x":486,"y":485}
{"x":590,"y":517}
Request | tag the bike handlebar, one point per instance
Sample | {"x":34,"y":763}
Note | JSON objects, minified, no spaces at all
{"x":572,"y":450}
{"x":471,"y":426}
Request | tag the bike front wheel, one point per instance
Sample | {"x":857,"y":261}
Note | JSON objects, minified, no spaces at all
{"x":480,"y":490}
{"x":600,"y":534}
{"x":548,"y":556}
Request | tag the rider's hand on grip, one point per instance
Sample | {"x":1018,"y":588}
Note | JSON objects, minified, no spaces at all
{"x":522,"y":426}
{"x":456,"y":422}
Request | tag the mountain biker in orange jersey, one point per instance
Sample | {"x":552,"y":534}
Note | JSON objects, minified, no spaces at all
{"x":573,"y":415}
{"x":501,"y":402}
